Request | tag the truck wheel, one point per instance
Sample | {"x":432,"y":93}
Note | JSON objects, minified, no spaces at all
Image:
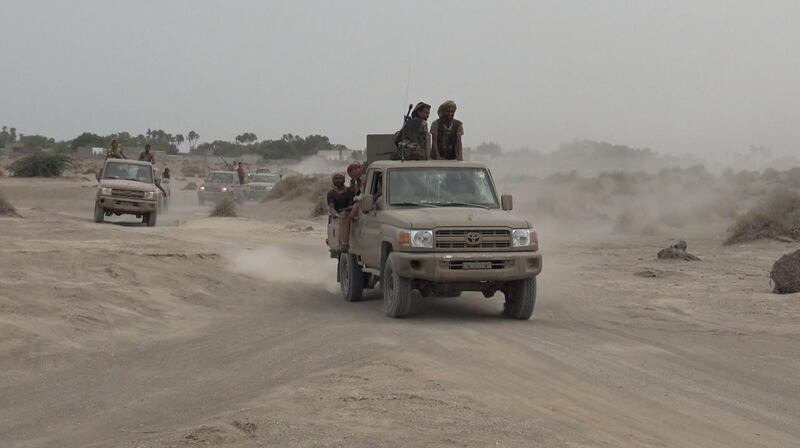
{"x":520,"y":299}
{"x":396,"y":291}
{"x":99,"y":213}
{"x":151,"y":219}
{"x":351,"y":277}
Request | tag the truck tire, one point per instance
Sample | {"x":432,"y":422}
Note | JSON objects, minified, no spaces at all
{"x":151,"y":219}
{"x":520,"y":299}
{"x":99,"y":213}
{"x":351,"y":277}
{"x":396,"y":291}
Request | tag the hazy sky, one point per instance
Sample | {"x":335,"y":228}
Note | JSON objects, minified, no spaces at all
{"x":677,"y":76}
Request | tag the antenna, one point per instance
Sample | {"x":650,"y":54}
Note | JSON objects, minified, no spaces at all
{"x":408,"y":83}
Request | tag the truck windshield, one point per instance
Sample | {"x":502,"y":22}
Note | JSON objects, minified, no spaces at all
{"x":129,"y":171}
{"x":220,"y":178}
{"x":441,"y":187}
{"x":265,"y":178}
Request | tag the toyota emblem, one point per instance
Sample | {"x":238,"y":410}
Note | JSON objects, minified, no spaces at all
{"x":473,"y":238}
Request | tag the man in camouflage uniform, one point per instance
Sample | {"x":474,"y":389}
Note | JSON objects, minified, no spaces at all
{"x":413,"y":141}
{"x":115,"y":152}
{"x":446,"y":134}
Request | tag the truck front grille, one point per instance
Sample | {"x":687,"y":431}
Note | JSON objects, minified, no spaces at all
{"x":472,"y":238}
{"x":127,"y":193}
{"x":467,"y":265}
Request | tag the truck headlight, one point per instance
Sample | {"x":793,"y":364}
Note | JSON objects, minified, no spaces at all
{"x":105,"y":191}
{"x":416,"y":238}
{"x":202,"y":187}
{"x":149,"y":195}
{"x":524,"y":238}
{"x":224,"y":188}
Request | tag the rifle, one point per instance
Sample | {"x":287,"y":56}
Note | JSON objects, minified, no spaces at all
{"x":400,"y":136}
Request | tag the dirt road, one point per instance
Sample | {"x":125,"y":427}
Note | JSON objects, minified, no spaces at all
{"x":230,"y":332}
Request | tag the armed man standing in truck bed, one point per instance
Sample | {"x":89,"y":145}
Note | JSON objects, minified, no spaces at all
{"x":446,"y":134}
{"x":413,"y":140}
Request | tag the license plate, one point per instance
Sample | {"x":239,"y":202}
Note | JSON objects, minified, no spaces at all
{"x":477,"y":265}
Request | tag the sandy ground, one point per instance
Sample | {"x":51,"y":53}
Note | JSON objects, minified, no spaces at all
{"x":230,"y":332}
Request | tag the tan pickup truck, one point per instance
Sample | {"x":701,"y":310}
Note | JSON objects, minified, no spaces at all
{"x":440,"y":228}
{"x":219,"y":185}
{"x":129,"y":187}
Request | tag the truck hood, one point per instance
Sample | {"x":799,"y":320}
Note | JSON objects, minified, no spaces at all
{"x":126,"y":185}
{"x":430,"y":218}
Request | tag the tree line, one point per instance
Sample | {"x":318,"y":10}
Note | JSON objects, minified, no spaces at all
{"x":289,"y":146}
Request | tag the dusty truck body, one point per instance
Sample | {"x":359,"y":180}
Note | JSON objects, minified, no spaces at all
{"x":259,"y":185}
{"x":128,"y":187}
{"x":219,"y":185}
{"x":440,"y":228}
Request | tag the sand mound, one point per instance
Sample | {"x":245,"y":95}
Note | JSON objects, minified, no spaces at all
{"x":6,"y":209}
{"x":310,"y":187}
{"x":778,"y":217}
{"x":676,"y":252}
{"x":190,"y":186}
{"x":786,"y":273}
{"x":226,"y":208}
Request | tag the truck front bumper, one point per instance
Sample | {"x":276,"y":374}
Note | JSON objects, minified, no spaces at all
{"x":213,"y":196}
{"x":127,"y":205}
{"x":456,"y":267}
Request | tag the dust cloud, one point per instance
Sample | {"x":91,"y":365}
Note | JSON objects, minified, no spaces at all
{"x":284,"y":265}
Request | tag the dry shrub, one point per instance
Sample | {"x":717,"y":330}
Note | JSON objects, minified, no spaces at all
{"x":6,"y":209}
{"x":778,"y":217}
{"x":785,"y":273}
{"x":225,"y":208}
{"x":677,"y":252}
{"x":42,"y":165}
{"x":190,"y":186}
{"x":309,"y":187}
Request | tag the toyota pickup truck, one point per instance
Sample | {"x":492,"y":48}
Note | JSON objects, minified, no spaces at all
{"x":439,"y":228}
{"x":128,"y":187}
{"x":219,"y":185}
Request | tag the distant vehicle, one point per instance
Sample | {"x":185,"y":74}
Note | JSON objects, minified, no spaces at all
{"x":128,"y":187}
{"x":438,"y":227}
{"x":259,"y":185}
{"x":219,"y":185}
{"x":263,"y":170}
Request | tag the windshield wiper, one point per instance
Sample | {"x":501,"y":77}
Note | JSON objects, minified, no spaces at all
{"x":137,"y":180}
{"x":461,"y":204}
{"x":416,"y":204}
{"x":111,"y":177}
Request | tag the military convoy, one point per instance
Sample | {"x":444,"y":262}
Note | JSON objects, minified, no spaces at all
{"x":439,"y":228}
{"x":129,"y":187}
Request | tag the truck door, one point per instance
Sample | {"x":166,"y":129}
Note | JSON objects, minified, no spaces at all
{"x":367,"y":239}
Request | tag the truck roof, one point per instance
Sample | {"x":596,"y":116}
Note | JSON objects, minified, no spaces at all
{"x":384,"y":164}
{"x":129,"y":161}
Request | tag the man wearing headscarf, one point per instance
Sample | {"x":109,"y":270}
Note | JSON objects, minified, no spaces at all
{"x":413,"y":140}
{"x":446,"y":134}
{"x":340,"y":201}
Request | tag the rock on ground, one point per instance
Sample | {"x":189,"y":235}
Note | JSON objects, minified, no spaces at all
{"x":786,"y":273}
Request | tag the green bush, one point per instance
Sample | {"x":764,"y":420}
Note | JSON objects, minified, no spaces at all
{"x":41,"y":165}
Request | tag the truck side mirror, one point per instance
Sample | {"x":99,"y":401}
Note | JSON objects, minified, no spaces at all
{"x":366,"y":203}
{"x":507,"y":202}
